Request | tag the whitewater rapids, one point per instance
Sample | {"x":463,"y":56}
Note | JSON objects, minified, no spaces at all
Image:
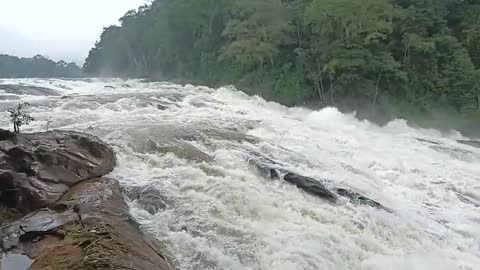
{"x":186,"y":150}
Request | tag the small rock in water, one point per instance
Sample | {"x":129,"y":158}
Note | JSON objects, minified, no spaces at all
{"x":311,"y":186}
{"x":358,"y":199}
{"x":161,"y":107}
{"x":314,"y":186}
{"x":148,"y":197}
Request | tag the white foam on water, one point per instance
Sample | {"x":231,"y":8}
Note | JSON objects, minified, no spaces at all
{"x":222,"y":214}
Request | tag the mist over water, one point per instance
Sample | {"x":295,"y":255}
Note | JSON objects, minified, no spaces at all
{"x":183,"y":159}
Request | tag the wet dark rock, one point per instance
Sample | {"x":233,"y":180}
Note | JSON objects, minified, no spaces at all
{"x":181,"y":149}
{"x":269,"y":168}
{"x":79,"y":221}
{"x":28,"y":90}
{"x":428,"y":141}
{"x":311,"y":186}
{"x":37,"y":169}
{"x":94,"y":231}
{"x":470,"y":143}
{"x":147,"y":197}
{"x":274,"y":174}
{"x":162,"y":107}
{"x":264,"y":171}
{"x":32,"y":226}
{"x":358,"y":199}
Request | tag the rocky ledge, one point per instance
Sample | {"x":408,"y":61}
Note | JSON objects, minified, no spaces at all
{"x":59,"y":211}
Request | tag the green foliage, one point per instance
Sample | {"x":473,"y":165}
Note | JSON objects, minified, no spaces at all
{"x":36,"y":67}
{"x":382,"y":58}
{"x":18,"y":117}
{"x":255,"y":32}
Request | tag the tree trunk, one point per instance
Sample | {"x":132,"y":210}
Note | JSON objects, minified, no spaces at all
{"x":317,"y":84}
{"x":376,"y":92}
{"x":322,"y":89}
{"x":331,"y":88}
{"x":321,"y":82}
{"x":299,"y":43}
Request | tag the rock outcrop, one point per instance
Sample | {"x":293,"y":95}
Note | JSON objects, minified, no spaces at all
{"x":73,"y":216}
{"x":37,"y":169}
{"x":311,"y":186}
{"x":88,"y":228}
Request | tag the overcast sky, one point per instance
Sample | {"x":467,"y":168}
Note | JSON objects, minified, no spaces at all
{"x":59,"y":29}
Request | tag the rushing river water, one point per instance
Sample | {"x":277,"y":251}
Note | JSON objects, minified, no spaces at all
{"x":183,"y":157}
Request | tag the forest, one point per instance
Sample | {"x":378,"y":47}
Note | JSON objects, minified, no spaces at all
{"x":384,"y":59}
{"x":36,"y":67}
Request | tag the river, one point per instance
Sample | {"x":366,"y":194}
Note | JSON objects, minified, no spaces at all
{"x":183,"y":159}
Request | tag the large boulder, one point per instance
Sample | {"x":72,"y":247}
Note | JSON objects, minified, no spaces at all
{"x":88,"y":228}
{"x":37,"y":169}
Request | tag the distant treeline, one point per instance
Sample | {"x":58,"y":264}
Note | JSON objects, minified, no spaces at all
{"x":36,"y":67}
{"x":383,"y":58}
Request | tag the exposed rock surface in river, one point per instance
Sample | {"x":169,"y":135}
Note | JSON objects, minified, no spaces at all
{"x":36,"y":169}
{"x":79,"y":220}
{"x":269,"y":168}
{"x":28,"y":90}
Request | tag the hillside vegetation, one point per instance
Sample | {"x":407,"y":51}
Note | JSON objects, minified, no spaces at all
{"x":416,"y":59}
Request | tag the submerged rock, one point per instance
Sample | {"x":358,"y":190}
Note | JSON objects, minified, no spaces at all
{"x":37,"y":169}
{"x":358,"y":199}
{"x":311,"y":186}
{"x":470,"y":143}
{"x":28,"y":90}
{"x":148,"y":197}
{"x":269,"y":168}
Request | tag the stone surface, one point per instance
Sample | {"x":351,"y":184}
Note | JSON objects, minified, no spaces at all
{"x":358,"y":199}
{"x":72,"y":218}
{"x":88,"y":228}
{"x":270,"y":168}
{"x":148,"y":197}
{"x":311,"y":186}
{"x":37,"y":169}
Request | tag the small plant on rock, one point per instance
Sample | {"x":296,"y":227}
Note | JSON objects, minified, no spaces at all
{"x":19,"y":117}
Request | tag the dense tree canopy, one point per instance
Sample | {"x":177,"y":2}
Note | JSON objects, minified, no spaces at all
{"x":36,"y":67}
{"x":382,"y":58}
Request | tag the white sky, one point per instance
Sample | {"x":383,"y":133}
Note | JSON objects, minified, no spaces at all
{"x":59,"y":29}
